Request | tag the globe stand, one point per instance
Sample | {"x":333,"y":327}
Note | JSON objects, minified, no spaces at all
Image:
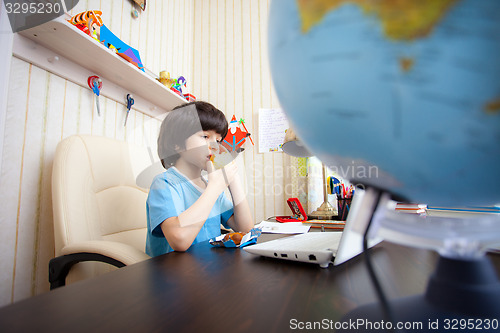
{"x":459,"y":290}
{"x":464,"y":288}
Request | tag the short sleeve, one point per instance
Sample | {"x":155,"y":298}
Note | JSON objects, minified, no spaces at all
{"x":164,"y":201}
{"x":226,"y":209}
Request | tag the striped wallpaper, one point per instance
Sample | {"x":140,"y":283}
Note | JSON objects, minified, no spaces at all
{"x":43,"y":109}
{"x":220,"y":46}
{"x":231,"y":70}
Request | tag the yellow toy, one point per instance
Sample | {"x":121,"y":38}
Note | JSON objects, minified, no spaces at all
{"x":165,"y":79}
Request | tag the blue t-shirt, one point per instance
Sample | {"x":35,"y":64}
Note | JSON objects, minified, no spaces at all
{"x":170,"y":194}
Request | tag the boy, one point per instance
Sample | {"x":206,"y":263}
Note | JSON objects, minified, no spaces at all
{"x":182,"y":207}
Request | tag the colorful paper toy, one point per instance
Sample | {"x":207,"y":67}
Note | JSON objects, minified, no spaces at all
{"x":235,"y":137}
{"x":242,"y":122}
{"x":123,"y":50}
{"x":176,"y":91}
{"x":181,"y":81}
{"x":89,"y":22}
{"x":180,"y":84}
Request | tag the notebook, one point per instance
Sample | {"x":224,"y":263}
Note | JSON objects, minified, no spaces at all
{"x":323,"y":248}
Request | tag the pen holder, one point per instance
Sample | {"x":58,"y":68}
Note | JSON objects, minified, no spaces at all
{"x":343,"y":208}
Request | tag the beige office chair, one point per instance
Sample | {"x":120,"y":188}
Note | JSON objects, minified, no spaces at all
{"x":99,"y":211}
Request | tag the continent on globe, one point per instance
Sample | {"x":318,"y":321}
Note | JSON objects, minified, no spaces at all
{"x":406,"y":64}
{"x":493,"y":106}
{"x":401,"y":20}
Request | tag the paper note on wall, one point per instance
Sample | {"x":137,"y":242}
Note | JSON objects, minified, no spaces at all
{"x":272,"y":127}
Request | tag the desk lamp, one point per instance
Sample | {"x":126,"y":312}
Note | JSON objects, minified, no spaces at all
{"x":294,"y":147}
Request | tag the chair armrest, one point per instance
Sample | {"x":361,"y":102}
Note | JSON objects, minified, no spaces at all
{"x":119,"y":251}
{"x":113,"y":253}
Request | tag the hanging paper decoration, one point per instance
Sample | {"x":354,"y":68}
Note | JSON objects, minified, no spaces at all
{"x":236,"y":137}
{"x":242,"y":122}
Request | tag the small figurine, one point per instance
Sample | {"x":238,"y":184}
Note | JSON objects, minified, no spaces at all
{"x":181,"y":88}
{"x":179,"y":83}
{"x":165,"y":79}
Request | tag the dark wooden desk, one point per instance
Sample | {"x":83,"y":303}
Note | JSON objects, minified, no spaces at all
{"x":219,"y":290}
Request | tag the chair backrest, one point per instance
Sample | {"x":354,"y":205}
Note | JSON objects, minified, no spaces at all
{"x":94,"y":191}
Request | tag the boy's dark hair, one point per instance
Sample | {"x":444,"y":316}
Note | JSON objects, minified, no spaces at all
{"x":184,"y":121}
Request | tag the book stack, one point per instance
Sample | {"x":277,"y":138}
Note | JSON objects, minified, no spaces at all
{"x":326,"y":224}
{"x":461,"y":212}
{"x":408,"y":208}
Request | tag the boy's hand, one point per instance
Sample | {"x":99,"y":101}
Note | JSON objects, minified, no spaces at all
{"x":220,"y":179}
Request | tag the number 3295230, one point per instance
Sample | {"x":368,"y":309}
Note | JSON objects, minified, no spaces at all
{"x":471,"y":324}
{"x":32,"y":8}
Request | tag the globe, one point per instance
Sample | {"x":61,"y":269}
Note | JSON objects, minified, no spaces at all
{"x":399,"y":95}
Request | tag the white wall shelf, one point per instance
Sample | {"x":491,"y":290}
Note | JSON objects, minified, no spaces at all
{"x":61,"y":48}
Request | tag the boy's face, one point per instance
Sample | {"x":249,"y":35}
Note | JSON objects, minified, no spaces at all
{"x":199,"y":147}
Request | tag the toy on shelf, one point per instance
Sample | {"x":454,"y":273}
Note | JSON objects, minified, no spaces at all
{"x":236,"y":137}
{"x":180,"y":87}
{"x":95,"y":83}
{"x":176,"y":91}
{"x":89,"y":22}
{"x":165,"y":79}
{"x":122,"y":49}
{"x":177,"y":86}
{"x":189,"y":97}
{"x":179,"y":83}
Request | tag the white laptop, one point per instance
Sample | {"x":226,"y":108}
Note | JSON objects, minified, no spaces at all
{"x":324,"y":248}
